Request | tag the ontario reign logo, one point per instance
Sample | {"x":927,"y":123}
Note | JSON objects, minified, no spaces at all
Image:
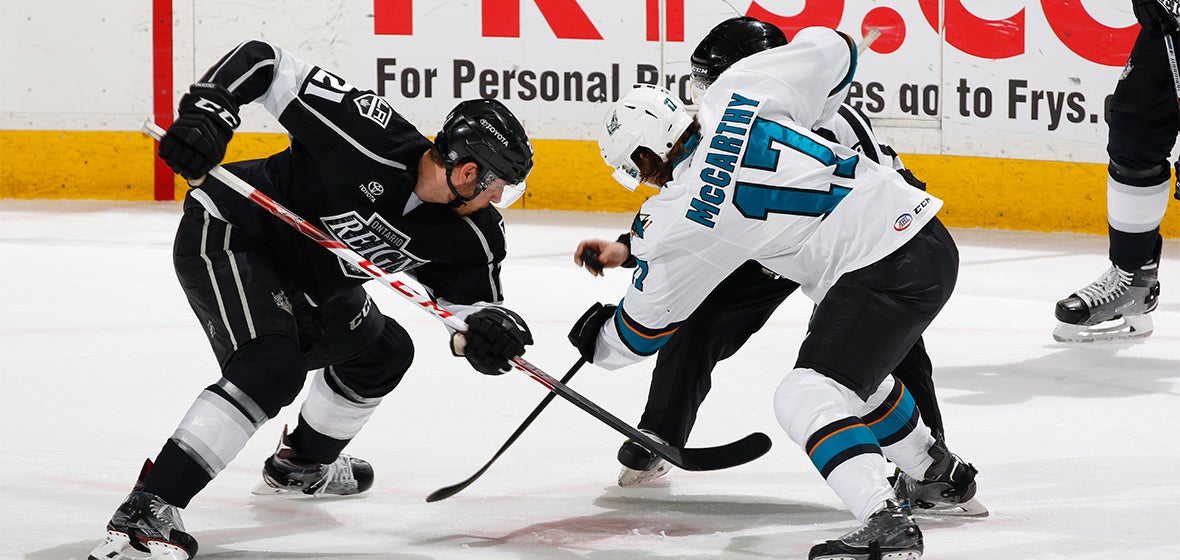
{"x":1172,"y":6}
{"x":375,"y":240}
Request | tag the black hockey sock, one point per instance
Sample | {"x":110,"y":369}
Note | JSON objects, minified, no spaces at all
{"x":314,"y":447}
{"x":175,"y":477}
{"x":1129,"y":251}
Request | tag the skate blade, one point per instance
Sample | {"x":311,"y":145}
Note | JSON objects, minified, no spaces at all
{"x":1126,"y":329}
{"x":911,"y":554}
{"x":117,"y":546}
{"x":969,"y":508}
{"x":264,"y":489}
{"x":166,"y":551}
{"x":632,"y":477}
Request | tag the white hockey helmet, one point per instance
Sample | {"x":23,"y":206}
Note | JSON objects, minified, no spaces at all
{"x":648,"y":116}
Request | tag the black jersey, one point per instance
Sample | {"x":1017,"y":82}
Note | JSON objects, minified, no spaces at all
{"x":350,"y":170}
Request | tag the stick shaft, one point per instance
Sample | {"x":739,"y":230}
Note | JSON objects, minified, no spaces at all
{"x":447,"y":492}
{"x":867,"y":41}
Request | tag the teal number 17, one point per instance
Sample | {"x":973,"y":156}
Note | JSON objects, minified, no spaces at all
{"x":757,"y":201}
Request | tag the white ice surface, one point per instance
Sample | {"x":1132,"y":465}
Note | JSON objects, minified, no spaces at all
{"x":100,"y":356}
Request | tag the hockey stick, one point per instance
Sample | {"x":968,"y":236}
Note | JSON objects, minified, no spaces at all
{"x":1170,"y":45}
{"x":447,"y":492}
{"x":699,"y":459}
{"x":867,"y":41}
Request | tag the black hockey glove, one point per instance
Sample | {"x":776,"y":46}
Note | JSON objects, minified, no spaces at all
{"x":1153,"y":16}
{"x":494,"y":336}
{"x":196,"y":141}
{"x":584,"y":335}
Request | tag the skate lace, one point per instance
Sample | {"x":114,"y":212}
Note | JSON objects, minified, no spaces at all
{"x":1106,"y":288}
{"x":889,"y":519}
{"x":167,"y":515}
{"x":339,"y":470}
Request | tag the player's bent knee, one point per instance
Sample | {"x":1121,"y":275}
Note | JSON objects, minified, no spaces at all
{"x":270,"y":370}
{"x":806,"y":400}
{"x":1139,"y":175}
{"x":381,"y":366}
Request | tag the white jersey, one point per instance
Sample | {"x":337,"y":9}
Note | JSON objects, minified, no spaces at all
{"x":760,"y":185}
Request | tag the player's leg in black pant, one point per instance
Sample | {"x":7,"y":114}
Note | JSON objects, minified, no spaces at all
{"x":255,"y":339}
{"x":917,"y":373}
{"x":364,"y":356}
{"x":737,"y":308}
{"x":1143,"y":122}
{"x":1143,"y":125}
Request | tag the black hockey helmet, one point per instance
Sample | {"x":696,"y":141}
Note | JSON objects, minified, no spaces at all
{"x":486,"y":132}
{"x":730,"y":41}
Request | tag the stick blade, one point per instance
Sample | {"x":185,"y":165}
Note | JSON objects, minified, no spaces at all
{"x":444,"y":493}
{"x":720,"y":457}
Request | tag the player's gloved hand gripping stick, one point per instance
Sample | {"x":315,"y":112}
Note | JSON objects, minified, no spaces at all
{"x":448,"y":491}
{"x":691,"y":459}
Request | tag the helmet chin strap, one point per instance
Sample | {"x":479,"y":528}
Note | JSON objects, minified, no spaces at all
{"x":460,"y":200}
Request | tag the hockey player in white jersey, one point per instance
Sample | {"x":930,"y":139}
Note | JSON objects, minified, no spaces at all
{"x":742,"y":303}
{"x":749,"y":180}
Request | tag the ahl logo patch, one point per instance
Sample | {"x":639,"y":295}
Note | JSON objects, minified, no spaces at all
{"x":374,"y":239}
{"x":374,"y":108}
{"x":903,"y":221}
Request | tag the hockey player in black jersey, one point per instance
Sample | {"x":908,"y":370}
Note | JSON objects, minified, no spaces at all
{"x":1143,"y":126}
{"x":744,"y":301}
{"x":275,"y":305}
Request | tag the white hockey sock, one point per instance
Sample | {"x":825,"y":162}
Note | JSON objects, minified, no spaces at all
{"x":820,"y":415}
{"x":214,"y":430}
{"x":332,"y":414}
{"x":1136,"y":209}
{"x":893,"y":416}
{"x":859,"y":484}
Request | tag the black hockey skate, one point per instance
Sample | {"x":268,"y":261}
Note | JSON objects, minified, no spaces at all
{"x":1118,"y":295}
{"x":148,"y":524}
{"x":889,"y":534}
{"x":285,"y":472}
{"x":640,"y":464}
{"x":948,"y":487}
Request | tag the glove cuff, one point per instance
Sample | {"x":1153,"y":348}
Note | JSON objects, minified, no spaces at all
{"x":584,"y":334}
{"x":214,"y":99}
{"x":625,"y":239}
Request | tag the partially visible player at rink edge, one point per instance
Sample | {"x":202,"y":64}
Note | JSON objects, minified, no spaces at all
{"x":1144,"y":120}
{"x":276,"y":305}
{"x":742,"y":303}
{"x":861,"y":242}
